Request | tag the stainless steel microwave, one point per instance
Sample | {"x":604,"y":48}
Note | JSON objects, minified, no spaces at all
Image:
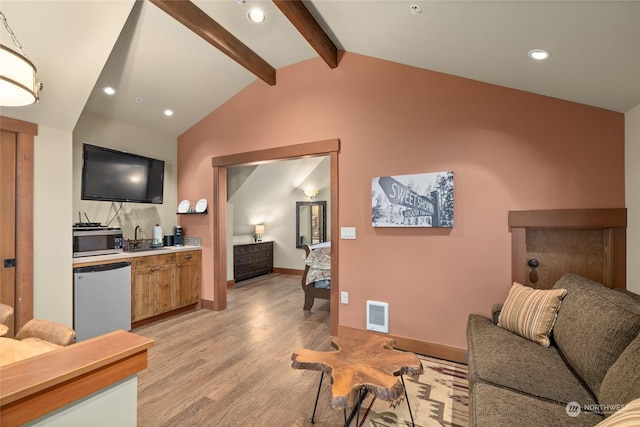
{"x":90,"y":241}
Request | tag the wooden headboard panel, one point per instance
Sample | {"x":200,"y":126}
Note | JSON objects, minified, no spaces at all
{"x":589,"y":242}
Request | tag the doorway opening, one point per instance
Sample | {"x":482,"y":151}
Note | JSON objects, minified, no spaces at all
{"x":220,"y":164}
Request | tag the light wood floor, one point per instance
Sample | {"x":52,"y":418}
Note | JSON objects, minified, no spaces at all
{"x":233,"y":368}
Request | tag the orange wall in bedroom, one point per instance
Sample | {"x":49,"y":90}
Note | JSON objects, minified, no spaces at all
{"x":509,"y":150}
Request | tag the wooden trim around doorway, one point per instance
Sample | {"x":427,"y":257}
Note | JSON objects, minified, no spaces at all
{"x":25,"y":137}
{"x":329,"y":147}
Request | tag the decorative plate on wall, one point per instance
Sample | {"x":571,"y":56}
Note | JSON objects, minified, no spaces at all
{"x":183,"y":207}
{"x":201,"y":206}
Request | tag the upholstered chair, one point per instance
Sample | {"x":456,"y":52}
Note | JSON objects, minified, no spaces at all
{"x":6,"y":313}
{"x":46,"y":330}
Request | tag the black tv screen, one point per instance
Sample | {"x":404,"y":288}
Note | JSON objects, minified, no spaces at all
{"x":112,"y":175}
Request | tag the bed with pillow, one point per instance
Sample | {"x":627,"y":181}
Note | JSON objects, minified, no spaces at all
{"x":316,"y":279}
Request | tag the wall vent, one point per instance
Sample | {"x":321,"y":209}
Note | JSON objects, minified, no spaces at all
{"x":378,"y":316}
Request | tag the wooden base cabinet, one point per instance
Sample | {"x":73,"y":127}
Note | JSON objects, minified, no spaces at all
{"x":152,"y":279}
{"x":188,"y":277}
{"x":161,"y":283}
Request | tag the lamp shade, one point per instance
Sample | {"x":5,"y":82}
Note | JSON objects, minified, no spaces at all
{"x":260,"y":229}
{"x":310,"y":193}
{"x":18,"y":84}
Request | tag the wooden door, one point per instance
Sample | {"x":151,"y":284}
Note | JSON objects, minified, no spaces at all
{"x":188,"y":278}
{"x":21,"y":136}
{"x":141,"y":296}
{"x":8,"y":222}
{"x":163,"y":279}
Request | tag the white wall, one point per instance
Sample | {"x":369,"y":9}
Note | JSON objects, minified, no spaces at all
{"x":52,"y":254}
{"x":115,"y":405}
{"x":268,"y":196}
{"x":122,"y":136}
{"x":632,"y":196}
{"x":54,"y":193}
{"x":57,"y":170}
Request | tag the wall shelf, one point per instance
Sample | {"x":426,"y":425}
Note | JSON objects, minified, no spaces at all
{"x":193,"y":213}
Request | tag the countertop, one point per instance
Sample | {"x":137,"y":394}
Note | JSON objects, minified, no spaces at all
{"x":128,"y":255}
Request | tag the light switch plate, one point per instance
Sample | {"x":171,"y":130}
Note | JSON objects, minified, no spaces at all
{"x":344,"y":297}
{"x":348,"y":233}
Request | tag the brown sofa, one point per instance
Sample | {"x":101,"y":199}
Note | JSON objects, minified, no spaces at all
{"x":591,"y":369}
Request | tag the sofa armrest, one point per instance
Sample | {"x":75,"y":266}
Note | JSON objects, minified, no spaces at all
{"x":47,"y":331}
{"x":495,"y":312}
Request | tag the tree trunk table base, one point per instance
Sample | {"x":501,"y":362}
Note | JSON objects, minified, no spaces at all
{"x":359,"y":367}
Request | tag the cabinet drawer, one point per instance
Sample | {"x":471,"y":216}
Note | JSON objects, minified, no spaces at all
{"x":243,"y":271}
{"x":240,"y":250}
{"x":191,"y":256}
{"x":250,"y":248}
{"x":262,"y":256}
{"x":243,"y":259}
{"x":152,"y":261}
{"x":264,"y":266}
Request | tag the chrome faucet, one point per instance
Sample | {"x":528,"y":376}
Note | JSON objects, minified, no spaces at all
{"x":135,"y":232}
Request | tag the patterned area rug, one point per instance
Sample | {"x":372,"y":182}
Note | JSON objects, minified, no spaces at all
{"x":438,"y":397}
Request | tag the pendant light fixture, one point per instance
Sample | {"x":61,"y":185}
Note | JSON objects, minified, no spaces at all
{"x":18,"y":85}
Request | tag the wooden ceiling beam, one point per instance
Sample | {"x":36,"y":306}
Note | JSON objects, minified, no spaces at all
{"x":298,"y":14}
{"x":192,"y":17}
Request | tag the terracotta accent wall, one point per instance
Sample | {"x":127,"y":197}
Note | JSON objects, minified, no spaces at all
{"x":509,"y":150}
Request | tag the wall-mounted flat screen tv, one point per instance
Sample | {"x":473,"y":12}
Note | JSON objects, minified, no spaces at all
{"x":112,"y":175}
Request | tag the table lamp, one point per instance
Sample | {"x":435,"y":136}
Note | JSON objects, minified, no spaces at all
{"x":259,"y":232}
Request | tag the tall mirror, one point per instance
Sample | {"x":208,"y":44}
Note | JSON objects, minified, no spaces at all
{"x":311,"y":226}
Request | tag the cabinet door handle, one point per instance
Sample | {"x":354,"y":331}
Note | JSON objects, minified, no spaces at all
{"x":188,"y":256}
{"x":178,"y":264}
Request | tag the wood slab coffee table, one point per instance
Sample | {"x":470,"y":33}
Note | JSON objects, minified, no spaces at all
{"x":358,"y":367}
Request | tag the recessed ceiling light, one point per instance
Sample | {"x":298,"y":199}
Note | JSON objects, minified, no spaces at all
{"x":539,"y":54}
{"x":256,"y":15}
{"x":109,"y":90}
{"x":168,"y":112}
{"x":139,"y":100}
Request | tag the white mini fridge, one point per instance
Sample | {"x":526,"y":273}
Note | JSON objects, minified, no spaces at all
{"x":101,"y":299}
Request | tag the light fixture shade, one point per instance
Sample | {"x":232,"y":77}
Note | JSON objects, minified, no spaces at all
{"x":260,"y":229}
{"x":18,"y":84}
{"x":310,"y":193}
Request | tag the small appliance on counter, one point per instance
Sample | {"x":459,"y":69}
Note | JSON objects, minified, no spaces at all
{"x":89,"y":241}
{"x":157,"y":237}
{"x":178,"y":239}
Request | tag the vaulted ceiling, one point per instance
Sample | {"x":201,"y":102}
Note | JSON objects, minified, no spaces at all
{"x":157,"y":63}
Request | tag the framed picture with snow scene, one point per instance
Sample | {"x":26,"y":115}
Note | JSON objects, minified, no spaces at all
{"x":418,"y":200}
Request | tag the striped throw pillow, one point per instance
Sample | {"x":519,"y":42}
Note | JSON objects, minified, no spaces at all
{"x":531,"y":313}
